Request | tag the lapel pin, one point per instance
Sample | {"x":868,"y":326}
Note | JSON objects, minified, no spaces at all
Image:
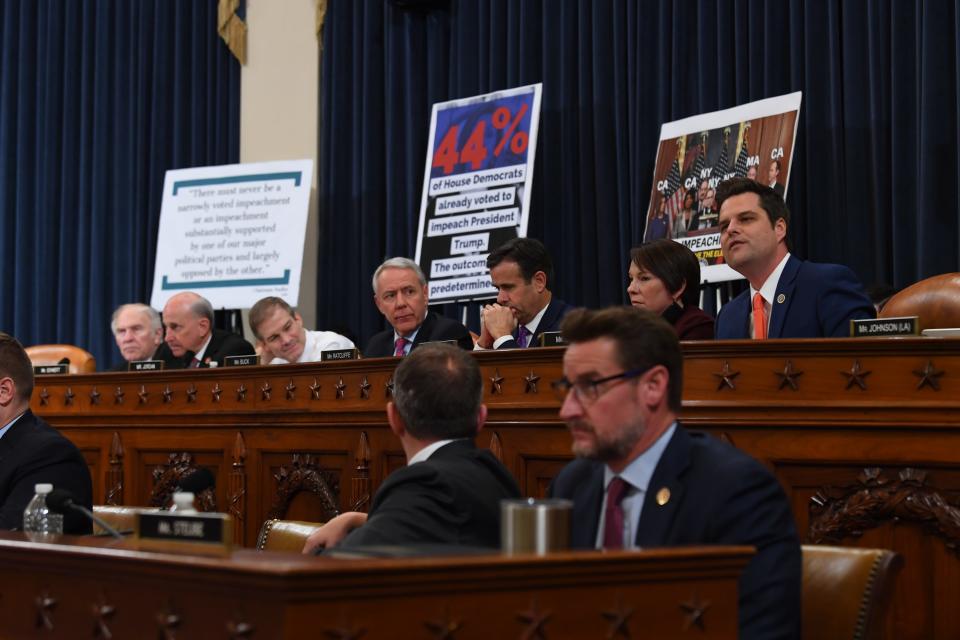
{"x":663,"y":496}
{"x":781,"y":298}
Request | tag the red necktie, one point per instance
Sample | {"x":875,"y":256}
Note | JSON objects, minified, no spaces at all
{"x":401,"y":347}
{"x":613,"y":516}
{"x":194,"y":364}
{"x":759,"y":318}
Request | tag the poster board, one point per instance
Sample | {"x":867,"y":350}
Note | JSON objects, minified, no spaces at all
{"x":476,"y":188}
{"x":754,"y":140}
{"x":233,"y":233}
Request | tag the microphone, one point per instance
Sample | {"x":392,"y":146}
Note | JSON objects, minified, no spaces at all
{"x":59,"y":500}
{"x":197,"y":482}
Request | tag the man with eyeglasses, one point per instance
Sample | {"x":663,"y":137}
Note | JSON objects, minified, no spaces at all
{"x":642,"y":480}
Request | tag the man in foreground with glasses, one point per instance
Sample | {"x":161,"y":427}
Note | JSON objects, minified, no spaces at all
{"x":642,"y":480}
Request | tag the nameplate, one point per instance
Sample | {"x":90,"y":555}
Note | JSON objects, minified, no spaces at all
{"x":200,"y":533}
{"x":339,"y":354}
{"x":145,"y":365}
{"x":875,"y":327}
{"x":240,"y":361}
{"x":50,"y":369}
{"x":552,"y":339}
{"x":450,"y":342}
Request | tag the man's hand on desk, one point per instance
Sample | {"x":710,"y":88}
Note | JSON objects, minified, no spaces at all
{"x":334,"y":531}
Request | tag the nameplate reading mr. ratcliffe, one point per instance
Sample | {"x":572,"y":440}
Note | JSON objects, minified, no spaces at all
{"x":241,"y":361}
{"x":875,"y":327}
{"x":338,"y":354}
{"x":552,"y":339}
{"x":202,"y":533}
{"x":50,"y":369}
{"x":145,"y":365}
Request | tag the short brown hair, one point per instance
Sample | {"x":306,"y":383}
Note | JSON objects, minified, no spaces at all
{"x":672,"y":262}
{"x":15,"y":364}
{"x":770,"y":200}
{"x":643,"y":338}
{"x":437,"y":390}
{"x":263,"y":308}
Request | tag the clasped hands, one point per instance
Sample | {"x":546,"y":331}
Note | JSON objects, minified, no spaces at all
{"x":496,"y":321}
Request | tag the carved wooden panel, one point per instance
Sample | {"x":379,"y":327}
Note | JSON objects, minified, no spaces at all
{"x":161,"y":472}
{"x":304,"y":485}
{"x":538,"y":472}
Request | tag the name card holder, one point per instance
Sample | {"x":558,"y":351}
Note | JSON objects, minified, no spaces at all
{"x":50,"y":369}
{"x":450,"y":342}
{"x":552,"y":339}
{"x":241,"y":361}
{"x":196,"y":533}
{"x":145,"y":365}
{"x":876,"y":327}
{"x":334,"y":355}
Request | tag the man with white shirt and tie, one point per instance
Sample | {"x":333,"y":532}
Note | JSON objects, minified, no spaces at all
{"x":642,"y":480}
{"x":788,"y":297}
{"x":522,"y":271}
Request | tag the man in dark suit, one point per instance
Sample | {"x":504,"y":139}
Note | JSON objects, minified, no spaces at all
{"x":31,"y":451}
{"x":138,"y":330}
{"x":400,"y":293}
{"x":449,"y":493}
{"x":642,"y":480}
{"x":773,"y":177}
{"x":191,"y":336}
{"x":522,"y":271}
{"x":787,"y":298}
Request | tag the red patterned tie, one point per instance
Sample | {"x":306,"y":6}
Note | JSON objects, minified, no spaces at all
{"x":401,"y":347}
{"x":759,"y":318}
{"x":613,"y":516}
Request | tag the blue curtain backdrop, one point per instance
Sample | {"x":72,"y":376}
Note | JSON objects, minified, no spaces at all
{"x":97,"y":100}
{"x":874,"y":182}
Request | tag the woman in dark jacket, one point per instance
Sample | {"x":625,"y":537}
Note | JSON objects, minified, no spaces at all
{"x":664,"y":277}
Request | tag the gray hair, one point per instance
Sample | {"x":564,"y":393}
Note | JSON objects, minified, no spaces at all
{"x":151,"y":313}
{"x":201,"y":307}
{"x":398,"y":263}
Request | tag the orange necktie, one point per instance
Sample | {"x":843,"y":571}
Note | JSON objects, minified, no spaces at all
{"x":759,"y":318}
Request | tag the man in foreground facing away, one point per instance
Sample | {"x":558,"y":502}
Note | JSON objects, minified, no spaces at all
{"x":788,"y":297}
{"x":449,"y":493}
{"x":31,"y":451}
{"x":642,"y":480}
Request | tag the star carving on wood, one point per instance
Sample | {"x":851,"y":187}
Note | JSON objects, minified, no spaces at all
{"x":241,"y":392}
{"x":118,"y":396}
{"x":315,"y":390}
{"x":389,"y":387}
{"x":531,"y":381}
{"x":266,"y":390}
{"x":343,"y":633}
{"x":341,"y":388}
{"x":365,"y":388}
{"x":444,"y":628}
{"x":68,"y":397}
{"x":496,"y":382}
{"x":44,"y":397}
{"x":167,"y":622}
{"x":192,"y":393}
{"x":239,"y":630}
{"x":45,"y":605}
{"x":789,"y":375}
{"x":102,"y":612}
{"x":143,"y":395}
{"x":693,"y":611}
{"x":167,"y":395}
{"x":94,"y":396}
{"x":929,"y":376}
{"x":857,"y":376}
{"x":215,"y":392}
{"x":291,"y":390}
{"x":726,"y":376}
{"x":619,"y":620}
{"x":535,"y":621}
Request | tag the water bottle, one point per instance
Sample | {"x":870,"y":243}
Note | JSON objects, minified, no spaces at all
{"x":37,"y":517}
{"x":183,"y":503}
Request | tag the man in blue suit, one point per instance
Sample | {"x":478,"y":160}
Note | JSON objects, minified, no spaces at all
{"x":522,"y":271}
{"x":643,"y":480}
{"x":793,"y":298}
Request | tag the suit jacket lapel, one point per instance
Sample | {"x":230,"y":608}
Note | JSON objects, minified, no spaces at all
{"x":785,"y":287}
{"x":586,"y":515}
{"x":656,"y":519}
{"x":423,"y":333}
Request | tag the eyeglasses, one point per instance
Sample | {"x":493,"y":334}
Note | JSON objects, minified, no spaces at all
{"x":588,"y":391}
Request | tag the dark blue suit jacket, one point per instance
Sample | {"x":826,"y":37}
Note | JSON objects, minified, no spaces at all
{"x":812,"y":301}
{"x":718,"y":495}
{"x":549,"y":322}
